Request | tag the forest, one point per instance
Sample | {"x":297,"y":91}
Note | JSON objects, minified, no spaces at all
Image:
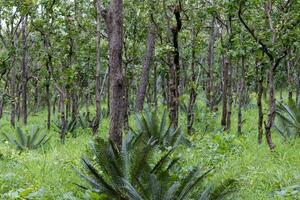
{"x":149,"y":99}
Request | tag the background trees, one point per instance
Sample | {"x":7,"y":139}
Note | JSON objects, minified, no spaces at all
{"x":65,"y":55}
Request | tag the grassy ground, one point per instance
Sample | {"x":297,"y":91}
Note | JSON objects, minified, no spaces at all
{"x":47,"y":173}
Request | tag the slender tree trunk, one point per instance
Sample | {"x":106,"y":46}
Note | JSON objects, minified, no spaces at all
{"x":13,"y":88}
{"x":24,"y":70}
{"x":96,"y":121}
{"x":290,"y":79}
{"x":74,"y":108}
{"x":224,"y":91}
{"x":54,"y":105}
{"x":48,"y":79}
{"x":193,"y":87}
{"x":210,"y":62}
{"x":36,"y":95}
{"x":229,"y":96}
{"x":241,"y":91}
{"x":146,"y":68}
{"x":62,"y":114}
{"x":271,"y":114}
{"x":155,"y":86}
{"x":18,"y":101}
{"x":259,"y":102}
{"x":175,"y":70}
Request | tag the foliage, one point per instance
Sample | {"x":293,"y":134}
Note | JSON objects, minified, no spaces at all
{"x":70,"y":126}
{"x":288,"y":119}
{"x":27,"y":140}
{"x":150,"y":126}
{"x":130,"y":173}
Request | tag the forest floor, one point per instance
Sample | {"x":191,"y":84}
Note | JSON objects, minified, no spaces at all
{"x":48,"y":172}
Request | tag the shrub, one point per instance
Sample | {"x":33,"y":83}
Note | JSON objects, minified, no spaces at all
{"x":27,"y":140}
{"x":288,"y":119}
{"x":150,"y":125}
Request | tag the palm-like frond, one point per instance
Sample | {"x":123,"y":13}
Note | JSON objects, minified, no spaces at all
{"x":137,"y":172}
{"x":150,"y":125}
{"x":24,"y":140}
{"x":288,"y":119}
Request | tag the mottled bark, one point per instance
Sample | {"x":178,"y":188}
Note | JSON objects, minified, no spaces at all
{"x":146,"y":68}
{"x":24,"y":70}
{"x":193,"y":88}
{"x":271,"y":114}
{"x":117,"y":104}
{"x":174,"y":70}
{"x":210,"y":62}
{"x":96,"y":121}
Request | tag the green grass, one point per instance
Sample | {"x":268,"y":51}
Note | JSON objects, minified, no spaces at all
{"x":47,"y":172}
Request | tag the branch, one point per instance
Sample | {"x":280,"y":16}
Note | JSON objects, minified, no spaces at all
{"x":277,"y":62}
{"x":263,"y":47}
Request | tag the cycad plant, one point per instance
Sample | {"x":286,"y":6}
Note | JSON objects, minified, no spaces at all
{"x":70,"y":126}
{"x":136,"y":172}
{"x":27,"y":139}
{"x":288,"y":119}
{"x":84,"y":120}
{"x":150,"y":125}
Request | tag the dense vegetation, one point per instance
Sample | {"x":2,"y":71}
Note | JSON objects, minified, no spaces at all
{"x":149,"y":100}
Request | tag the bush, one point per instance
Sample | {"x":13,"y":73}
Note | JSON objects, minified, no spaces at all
{"x":27,"y":140}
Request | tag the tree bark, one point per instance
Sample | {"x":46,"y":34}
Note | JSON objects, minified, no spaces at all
{"x":241,"y":89}
{"x":224,"y":91}
{"x":146,"y":68}
{"x":210,"y":62}
{"x":290,"y":79}
{"x":13,"y":88}
{"x":62,"y":114}
{"x":193,"y":87}
{"x":117,"y":104}
{"x":24,"y":70}
{"x":175,"y":70}
{"x":96,"y":121}
{"x":47,"y":45}
{"x":259,"y":101}
{"x":271,"y":114}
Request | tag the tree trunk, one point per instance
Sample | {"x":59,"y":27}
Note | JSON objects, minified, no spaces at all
{"x":155,"y":86}
{"x":290,"y":79}
{"x":13,"y":88}
{"x":117,"y":107}
{"x":241,"y":89}
{"x":229,"y":95}
{"x":96,"y":121}
{"x":175,"y":70}
{"x":193,"y":87}
{"x":62,"y":115}
{"x":271,"y":114}
{"x":24,"y":70}
{"x":210,"y":62}
{"x":259,"y":102}
{"x":47,"y":45}
{"x":224,"y":91}
{"x":146,"y":68}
